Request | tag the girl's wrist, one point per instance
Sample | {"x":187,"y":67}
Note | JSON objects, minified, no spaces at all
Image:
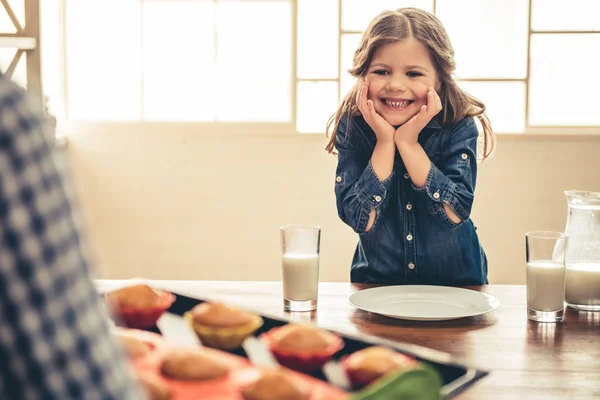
{"x":385,"y":140}
{"x":404,"y":146}
{"x":385,"y":147}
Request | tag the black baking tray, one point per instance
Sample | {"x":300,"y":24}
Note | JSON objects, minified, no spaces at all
{"x":456,"y":376}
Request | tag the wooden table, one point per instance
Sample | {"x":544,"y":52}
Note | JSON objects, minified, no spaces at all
{"x":526,"y":360}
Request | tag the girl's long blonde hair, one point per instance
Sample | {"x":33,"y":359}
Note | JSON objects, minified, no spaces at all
{"x":391,"y":26}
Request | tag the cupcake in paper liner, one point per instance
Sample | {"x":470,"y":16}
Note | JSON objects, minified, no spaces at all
{"x":368,"y":365}
{"x":301,"y":347}
{"x":276,"y":384}
{"x":139,"y":306}
{"x":222,"y":326}
{"x":193,"y":365}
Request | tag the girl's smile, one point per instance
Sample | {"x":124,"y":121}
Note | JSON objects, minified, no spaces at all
{"x":396,"y":104}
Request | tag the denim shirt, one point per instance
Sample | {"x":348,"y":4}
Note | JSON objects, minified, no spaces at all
{"x":413,"y":241}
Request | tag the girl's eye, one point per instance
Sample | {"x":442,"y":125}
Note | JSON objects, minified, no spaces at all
{"x":413,"y":74}
{"x":381,"y":72}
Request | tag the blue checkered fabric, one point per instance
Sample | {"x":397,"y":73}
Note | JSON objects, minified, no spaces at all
{"x":55,"y":340}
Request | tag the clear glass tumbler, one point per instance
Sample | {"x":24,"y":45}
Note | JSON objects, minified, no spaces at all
{"x":546,"y":274}
{"x":300,"y":249}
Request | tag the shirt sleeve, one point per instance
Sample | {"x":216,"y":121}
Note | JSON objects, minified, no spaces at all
{"x":55,"y":340}
{"x":451,"y":180}
{"x":358,"y":190}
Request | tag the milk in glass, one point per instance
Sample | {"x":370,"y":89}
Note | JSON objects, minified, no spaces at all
{"x":300,"y":276}
{"x":545,"y":285}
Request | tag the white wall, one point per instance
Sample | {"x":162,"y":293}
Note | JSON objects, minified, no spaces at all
{"x":179,"y":203}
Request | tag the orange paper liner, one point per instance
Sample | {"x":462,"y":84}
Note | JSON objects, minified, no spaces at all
{"x":242,"y":372}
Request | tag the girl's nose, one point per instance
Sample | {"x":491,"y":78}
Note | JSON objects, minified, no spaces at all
{"x":397,"y":83}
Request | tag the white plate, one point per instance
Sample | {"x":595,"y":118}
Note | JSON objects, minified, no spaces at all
{"x":423,"y":303}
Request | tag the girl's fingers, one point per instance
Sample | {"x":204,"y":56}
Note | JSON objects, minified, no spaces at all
{"x":365,"y":91}
{"x":437,"y":101}
{"x":371,"y":107}
{"x":359,"y":96}
{"x":431,"y":102}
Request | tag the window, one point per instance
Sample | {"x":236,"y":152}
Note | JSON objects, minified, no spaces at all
{"x":284,"y":63}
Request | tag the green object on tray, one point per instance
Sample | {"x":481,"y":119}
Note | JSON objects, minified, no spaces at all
{"x":421,"y":383}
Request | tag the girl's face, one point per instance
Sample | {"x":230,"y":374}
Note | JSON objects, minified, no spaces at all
{"x":399,"y":77}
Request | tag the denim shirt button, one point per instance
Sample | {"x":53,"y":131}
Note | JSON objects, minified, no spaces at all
{"x":411,"y":266}
{"x":464,"y":156}
{"x":409,"y":237}
{"x":409,"y":206}
{"x":377,"y":198}
{"x":338,"y":178}
{"x":406,"y":176}
{"x":436,"y":195}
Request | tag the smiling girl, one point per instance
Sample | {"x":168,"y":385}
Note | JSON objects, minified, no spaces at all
{"x":406,"y":141}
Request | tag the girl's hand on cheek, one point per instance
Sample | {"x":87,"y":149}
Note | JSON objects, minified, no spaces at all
{"x":383,"y":130}
{"x":409,"y":132}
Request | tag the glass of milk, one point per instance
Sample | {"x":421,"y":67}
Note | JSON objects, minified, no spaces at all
{"x":546,"y":275}
{"x":300,"y":246}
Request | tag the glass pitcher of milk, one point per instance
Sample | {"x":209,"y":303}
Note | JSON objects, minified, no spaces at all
{"x":582,"y":289}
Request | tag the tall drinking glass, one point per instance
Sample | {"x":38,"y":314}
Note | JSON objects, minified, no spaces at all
{"x":546,"y":273}
{"x":300,"y":247}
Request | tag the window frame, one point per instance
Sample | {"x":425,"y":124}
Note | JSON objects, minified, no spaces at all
{"x":289,"y":128}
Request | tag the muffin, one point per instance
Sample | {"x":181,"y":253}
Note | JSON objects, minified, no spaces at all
{"x":302,"y":347}
{"x":276,"y":385}
{"x":153,"y":386}
{"x":370,"y":364}
{"x":222,"y":326}
{"x":133,"y":348}
{"x":139,"y":306}
{"x":192,"y":365}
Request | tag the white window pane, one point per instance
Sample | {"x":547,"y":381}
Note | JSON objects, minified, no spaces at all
{"x":557,"y":15}
{"x":51,"y":60}
{"x":317,"y":101}
{"x":254,"y":56}
{"x":489,"y":36}
{"x":20,"y":73}
{"x":179,"y":70}
{"x":357,"y":14}
{"x":104,"y":59}
{"x":317,"y":39}
{"x":18,"y":8}
{"x":564,"y":82}
{"x":349,"y":45}
{"x":504,"y":101}
{"x":6,"y":25}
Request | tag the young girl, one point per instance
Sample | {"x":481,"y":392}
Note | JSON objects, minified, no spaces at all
{"x":406,"y":141}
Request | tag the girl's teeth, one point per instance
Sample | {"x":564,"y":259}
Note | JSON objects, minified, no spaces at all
{"x":398,"y":104}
